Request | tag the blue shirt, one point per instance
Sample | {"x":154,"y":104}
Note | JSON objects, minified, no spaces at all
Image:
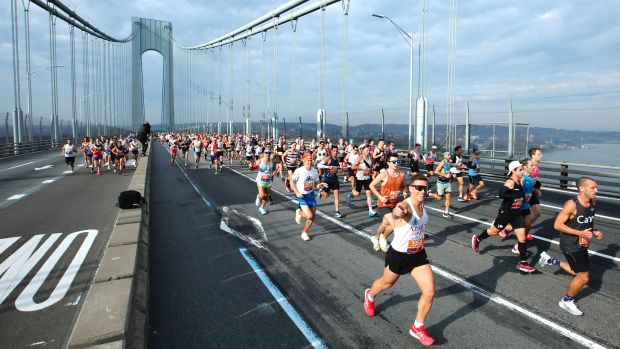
{"x":474,"y":168}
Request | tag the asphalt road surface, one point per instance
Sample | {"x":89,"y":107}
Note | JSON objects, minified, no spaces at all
{"x":54,"y":225}
{"x":481,"y":301}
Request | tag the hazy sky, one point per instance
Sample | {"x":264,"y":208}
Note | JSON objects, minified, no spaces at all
{"x":557,"y":60}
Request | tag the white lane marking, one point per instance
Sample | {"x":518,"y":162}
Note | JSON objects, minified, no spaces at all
{"x":74,"y":303}
{"x":587,"y":342}
{"x":28,"y":163}
{"x":43,"y":168}
{"x":37,"y":343}
{"x":499,"y":300}
{"x":16,"y":197}
{"x":7,"y":242}
{"x":68,"y":172}
{"x":617,"y":259}
{"x":48,"y":181}
{"x":227,"y":212}
{"x":292,"y":313}
{"x":202,"y":196}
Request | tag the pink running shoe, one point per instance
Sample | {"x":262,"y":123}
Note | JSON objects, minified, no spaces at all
{"x":475,"y":244}
{"x":524,"y":267}
{"x":369,"y":306}
{"x":529,"y":237}
{"x":503,"y":233}
{"x":420,"y":334}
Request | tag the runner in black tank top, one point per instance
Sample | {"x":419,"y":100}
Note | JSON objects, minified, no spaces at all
{"x":575,"y":222}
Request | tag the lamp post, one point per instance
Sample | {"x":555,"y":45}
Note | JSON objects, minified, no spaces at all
{"x":409,"y":39}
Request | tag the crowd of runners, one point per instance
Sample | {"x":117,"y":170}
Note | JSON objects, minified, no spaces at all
{"x":103,"y":154}
{"x":313,"y":170}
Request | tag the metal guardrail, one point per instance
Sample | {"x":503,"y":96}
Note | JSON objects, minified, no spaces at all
{"x":12,"y":149}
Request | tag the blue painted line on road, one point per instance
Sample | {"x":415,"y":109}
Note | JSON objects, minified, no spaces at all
{"x":303,"y":326}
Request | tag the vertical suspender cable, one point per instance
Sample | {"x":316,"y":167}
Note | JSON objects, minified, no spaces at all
{"x":248,"y":120}
{"x":275,"y":82}
{"x":219,"y":120}
{"x":345,"y":62}
{"x":28,"y":63}
{"x":322,"y":61}
{"x":264,"y":87}
{"x":232,"y":90}
{"x":73,"y":89}
{"x":293,"y":67}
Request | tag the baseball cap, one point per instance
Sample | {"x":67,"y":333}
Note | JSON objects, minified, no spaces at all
{"x":434,"y":147}
{"x":306,"y":156}
{"x":475,"y":150}
{"x":513,"y":165}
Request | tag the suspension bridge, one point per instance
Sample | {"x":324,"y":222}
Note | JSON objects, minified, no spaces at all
{"x":196,"y":266}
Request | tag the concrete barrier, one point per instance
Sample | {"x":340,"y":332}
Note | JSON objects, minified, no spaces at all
{"x":115,"y":310}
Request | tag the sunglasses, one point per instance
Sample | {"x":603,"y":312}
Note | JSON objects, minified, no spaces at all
{"x":395,"y":162}
{"x":420,"y":187}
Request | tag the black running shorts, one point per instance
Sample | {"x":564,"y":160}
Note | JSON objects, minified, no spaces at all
{"x":534,"y":199}
{"x":414,"y":166}
{"x":365,"y":183}
{"x":70,"y":160}
{"x":474,"y":180}
{"x":514,"y":219}
{"x":403,"y":263}
{"x":331,"y":186}
{"x":579,"y":261}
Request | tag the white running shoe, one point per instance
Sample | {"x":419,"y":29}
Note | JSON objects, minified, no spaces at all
{"x":570,"y":306}
{"x":298,"y":216}
{"x":515,"y":249}
{"x":544,"y":259}
{"x":375,"y":243}
{"x":257,"y":201}
{"x":383,"y":243}
{"x":262,"y":210}
{"x":305,"y":237}
{"x":372,"y":213}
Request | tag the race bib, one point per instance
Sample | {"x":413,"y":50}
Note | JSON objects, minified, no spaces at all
{"x":583,"y":243}
{"x":516,"y":204}
{"x":415,"y":246}
{"x":308,"y":186}
{"x":293,"y":161}
{"x":265,"y":178}
{"x":333,"y":169}
{"x":366,"y":172}
{"x":393,"y":196}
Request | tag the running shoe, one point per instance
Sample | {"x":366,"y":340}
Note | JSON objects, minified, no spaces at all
{"x":347,"y":199}
{"x":475,"y":244}
{"x":374,"y":203}
{"x":375,"y":243}
{"x":461,"y":199}
{"x":372,"y":213}
{"x":337,"y":214}
{"x":524,"y":267}
{"x":570,"y":306}
{"x":515,"y":249}
{"x":257,"y":202}
{"x":262,"y":210}
{"x":269,"y":201}
{"x":467,"y":198}
{"x":383,"y":243}
{"x":298,"y":216}
{"x":420,"y":334}
{"x":503,"y":233}
{"x":529,"y":237}
{"x":305,"y":237}
{"x":196,"y":166}
{"x":544,"y":259}
{"x":448,"y":215}
{"x":474,"y":195}
{"x":369,"y":306}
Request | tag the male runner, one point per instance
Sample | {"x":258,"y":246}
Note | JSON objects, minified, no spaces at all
{"x":304,"y":180}
{"x":475,"y":179}
{"x":363,"y":166}
{"x":407,"y":255}
{"x":575,"y":222}
{"x":457,"y":160}
{"x":415,"y":155}
{"x":330,"y":165}
{"x":69,"y":150}
{"x":444,"y":186}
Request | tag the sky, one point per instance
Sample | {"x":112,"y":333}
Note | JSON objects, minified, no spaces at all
{"x":555,"y":63}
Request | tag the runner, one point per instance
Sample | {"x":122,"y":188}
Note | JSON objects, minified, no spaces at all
{"x":341,"y":154}
{"x":363,"y":166}
{"x":457,"y":160}
{"x":264,"y":181}
{"x":429,"y":159}
{"x":120,"y":151}
{"x":134,"y":147}
{"x":331,"y":165}
{"x":527,"y":184}
{"x":444,"y":187}
{"x":97,"y":150}
{"x":392,"y":185}
{"x":318,"y":154}
{"x":575,"y":223}
{"x":475,"y":179}
{"x":379,"y":158}
{"x":69,"y":150}
{"x":197,"y":148}
{"x":351,"y":157}
{"x":415,"y":155}
{"x":536,"y":156}
{"x":305,"y":180}
{"x":509,"y":212}
{"x":407,"y":255}
{"x":291,"y":158}
{"x":185,"y":144}
{"x":173,"y":151}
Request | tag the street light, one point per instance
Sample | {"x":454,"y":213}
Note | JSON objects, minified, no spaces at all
{"x":409,"y":40}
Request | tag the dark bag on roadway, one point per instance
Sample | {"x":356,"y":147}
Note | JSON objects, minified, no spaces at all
{"x":129,"y":199}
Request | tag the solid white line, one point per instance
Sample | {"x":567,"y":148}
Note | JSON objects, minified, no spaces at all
{"x":16,"y":197}
{"x":499,"y":300}
{"x":28,"y":163}
{"x":47,"y":181}
{"x":292,"y":313}
{"x":597,"y":216}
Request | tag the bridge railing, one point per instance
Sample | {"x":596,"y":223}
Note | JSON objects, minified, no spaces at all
{"x":12,"y":149}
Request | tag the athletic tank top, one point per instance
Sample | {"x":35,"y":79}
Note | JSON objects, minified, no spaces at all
{"x":513,"y":205}
{"x":264,"y":172}
{"x":444,"y":170}
{"x":363,"y":172}
{"x":291,"y":159}
{"x":331,"y":173}
{"x":528,"y":184}
{"x":391,"y":189}
{"x":69,"y":153}
{"x":584,"y":219}
{"x":410,"y":237}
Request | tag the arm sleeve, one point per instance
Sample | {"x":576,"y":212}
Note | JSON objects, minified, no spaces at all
{"x":537,"y":185}
{"x":508,"y":193}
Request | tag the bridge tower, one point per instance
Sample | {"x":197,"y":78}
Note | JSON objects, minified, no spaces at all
{"x":152,"y":35}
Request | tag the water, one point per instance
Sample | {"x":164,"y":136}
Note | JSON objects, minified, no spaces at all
{"x":595,"y":154}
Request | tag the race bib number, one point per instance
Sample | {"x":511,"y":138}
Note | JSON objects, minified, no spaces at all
{"x":583,"y":243}
{"x":415,"y":246}
{"x":516,"y":204}
{"x":333,"y":169}
{"x":308,"y":186}
{"x":393,"y":196}
{"x":265,"y":178}
{"x":366,"y":172}
{"x":293,"y":161}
